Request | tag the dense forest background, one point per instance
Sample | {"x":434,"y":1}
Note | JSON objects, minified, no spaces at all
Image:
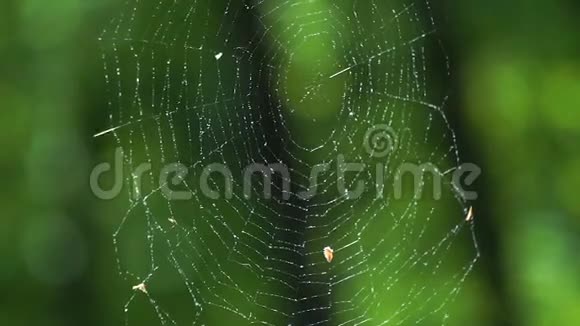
{"x":514,"y":103}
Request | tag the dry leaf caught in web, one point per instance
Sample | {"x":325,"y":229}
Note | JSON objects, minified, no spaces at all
{"x":328,"y":254}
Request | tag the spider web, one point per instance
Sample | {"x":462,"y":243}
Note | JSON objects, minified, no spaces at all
{"x":297,"y":83}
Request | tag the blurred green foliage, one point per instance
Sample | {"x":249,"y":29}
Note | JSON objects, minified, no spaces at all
{"x":516,"y":107}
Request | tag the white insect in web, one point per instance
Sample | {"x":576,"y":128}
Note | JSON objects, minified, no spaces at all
{"x":176,"y":100}
{"x":140,"y":287}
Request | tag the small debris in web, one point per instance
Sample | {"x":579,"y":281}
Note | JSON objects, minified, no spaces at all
{"x":140,"y":287}
{"x":328,"y":254}
{"x":218,"y":56}
{"x":470,"y":216}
